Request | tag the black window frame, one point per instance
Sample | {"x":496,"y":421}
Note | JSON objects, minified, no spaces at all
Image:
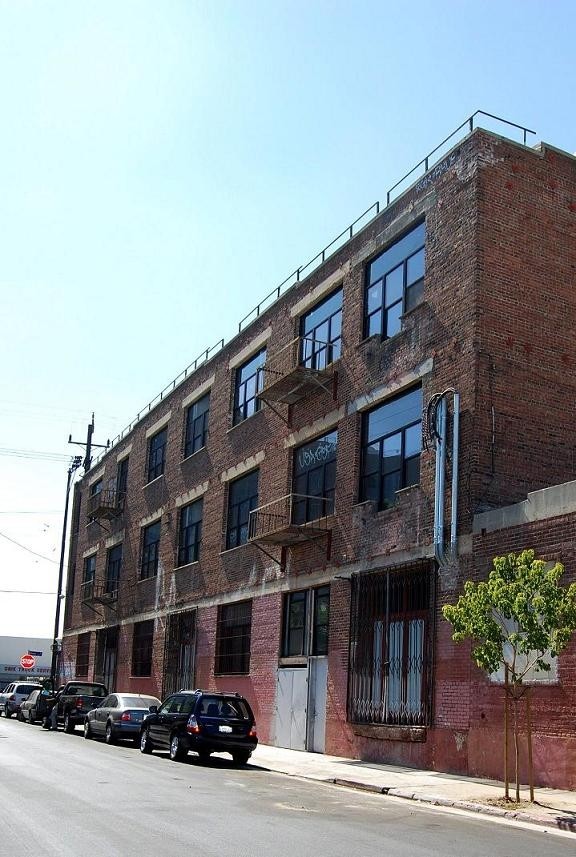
{"x":189,"y":533}
{"x":317,"y":353}
{"x":233,"y":638}
{"x":196,"y":425}
{"x":411,"y":292}
{"x":122,"y":479}
{"x":82,"y":655}
{"x":142,"y":648}
{"x":89,"y":571}
{"x":409,"y":463}
{"x":304,"y":623}
{"x":246,"y":401}
{"x":150,"y":550}
{"x":239,"y":508}
{"x":156,"y":459}
{"x":113,"y":568}
{"x":318,"y":481}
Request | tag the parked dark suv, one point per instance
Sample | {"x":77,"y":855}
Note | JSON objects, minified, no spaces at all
{"x":202,"y":721}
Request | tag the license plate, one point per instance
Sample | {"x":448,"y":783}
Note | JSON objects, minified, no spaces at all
{"x":138,"y":717}
{"x":227,"y":729}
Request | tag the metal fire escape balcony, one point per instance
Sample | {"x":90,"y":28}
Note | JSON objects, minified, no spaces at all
{"x":291,"y":519}
{"x":293,"y":372}
{"x":96,"y":593}
{"x":106,"y":504}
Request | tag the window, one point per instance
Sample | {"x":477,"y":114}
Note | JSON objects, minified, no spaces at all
{"x":113,"y":568}
{"x":299,"y":638}
{"x":89,"y":576}
{"x":83,"y":655}
{"x":157,"y":454}
{"x":321,"y":332}
{"x":391,"y":648}
{"x":196,"y":425}
{"x":95,"y":490}
{"x":190,"y":533}
{"x":395,"y":283}
{"x":314,"y":479}
{"x":233,"y":638}
{"x":150,"y":550}
{"x":391,"y":446}
{"x":242,"y":498}
{"x":248,"y":384}
{"x":121,"y":480}
{"x":142,"y":642}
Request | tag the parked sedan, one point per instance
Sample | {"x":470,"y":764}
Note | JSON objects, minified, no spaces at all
{"x":204,"y":721}
{"x":120,"y":715}
{"x":34,"y":708}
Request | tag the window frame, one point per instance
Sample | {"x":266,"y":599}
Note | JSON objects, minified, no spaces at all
{"x":196,"y":426}
{"x":142,"y":648}
{"x":233,"y":650}
{"x":330,"y":350}
{"x":405,"y":460}
{"x":113,"y":568}
{"x":310,"y":628}
{"x":244,"y":406}
{"x":188,"y":550}
{"x":307,"y":510}
{"x":83,"y":655}
{"x":403,"y":302}
{"x":239,"y":511}
{"x":122,"y":479}
{"x":150,"y":552}
{"x":156,"y":458}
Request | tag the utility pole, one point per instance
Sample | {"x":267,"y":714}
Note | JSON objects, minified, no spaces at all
{"x":76,"y":462}
{"x":87,"y":444}
{"x":74,"y":465}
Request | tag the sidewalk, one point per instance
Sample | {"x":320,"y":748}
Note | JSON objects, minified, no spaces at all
{"x":553,"y":808}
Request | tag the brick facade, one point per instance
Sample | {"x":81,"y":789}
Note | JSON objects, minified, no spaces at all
{"x":495,"y":324}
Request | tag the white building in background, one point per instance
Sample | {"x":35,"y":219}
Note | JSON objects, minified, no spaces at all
{"x":13,"y":649}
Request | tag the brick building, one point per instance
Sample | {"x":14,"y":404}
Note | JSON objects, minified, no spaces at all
{"x":283,"y":522}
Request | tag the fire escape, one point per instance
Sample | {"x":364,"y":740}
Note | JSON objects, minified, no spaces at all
{"x":295,"y":372}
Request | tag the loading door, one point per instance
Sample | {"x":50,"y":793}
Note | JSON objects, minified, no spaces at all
{"x":179,"y":649}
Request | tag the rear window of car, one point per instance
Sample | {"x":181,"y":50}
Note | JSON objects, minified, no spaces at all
{"x":139,"y":701}
{"x":88,"y":690}
{"x":26,"y":688}
{"x":214,"y":706}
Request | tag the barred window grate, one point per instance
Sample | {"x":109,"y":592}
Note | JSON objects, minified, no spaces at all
{"x":233,"y":638}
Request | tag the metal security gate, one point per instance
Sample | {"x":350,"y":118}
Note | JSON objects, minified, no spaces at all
{"x":179,"y":649}
{"x":391,"y":647}
{"x":292,"y":707}
{"x":106,"y":657}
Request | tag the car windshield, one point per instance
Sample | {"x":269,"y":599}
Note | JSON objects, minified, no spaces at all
{"x":88,"y":690}
{"x":214,"y":706}
{"x":138,"y":701}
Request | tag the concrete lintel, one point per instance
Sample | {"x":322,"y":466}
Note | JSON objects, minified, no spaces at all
{"x":378,"y":394}
{"x":327,"y":285}
{"x":159,"y":424}
{"x":198,"y":392}
{"x":321,"y":426}
{"x":243,"y":467}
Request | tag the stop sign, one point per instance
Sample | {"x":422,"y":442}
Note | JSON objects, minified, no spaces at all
{"x":27,"y":662}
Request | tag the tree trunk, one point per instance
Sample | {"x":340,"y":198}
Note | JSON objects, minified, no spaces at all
{"x":529,"y":738}
{"x":506,"y":708}
{"x":516,"y":751}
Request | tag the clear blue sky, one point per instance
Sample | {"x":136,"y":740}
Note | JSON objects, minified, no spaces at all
{"x":164,"y":165}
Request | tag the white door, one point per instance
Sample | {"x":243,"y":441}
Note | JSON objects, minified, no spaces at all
{"x":318,"y":668}
{"x":291,"y":707}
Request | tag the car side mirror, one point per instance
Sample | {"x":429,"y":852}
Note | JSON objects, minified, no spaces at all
{"x":153,"y":709}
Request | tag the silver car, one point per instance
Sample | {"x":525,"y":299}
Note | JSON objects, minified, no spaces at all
{"x":120,"y":715}
{"x":13,"y":695}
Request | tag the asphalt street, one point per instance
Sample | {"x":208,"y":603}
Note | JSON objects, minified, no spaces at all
{"x":62,"y":795}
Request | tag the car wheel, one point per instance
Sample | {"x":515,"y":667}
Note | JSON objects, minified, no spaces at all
{"x":20,"y":717}
{"x":109,"y":738}
{"x":32,"y":716}
{"x":145,"y":742}
{"x":241,"y":756}
{"x":87,"y":730}
{"x":69,"y":726}
{"x":177,"y":751}
{"x":7,"y":713}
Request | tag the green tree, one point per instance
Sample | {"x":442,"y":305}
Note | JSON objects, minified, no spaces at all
{"x":517,"y":619}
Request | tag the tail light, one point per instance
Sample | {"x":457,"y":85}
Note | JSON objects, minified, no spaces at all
{"x":192,"y":727}
{"x":79,"y":702}
{"x":126,"y":716}
{"x":253,"y":733}
{"x":12,"y":697}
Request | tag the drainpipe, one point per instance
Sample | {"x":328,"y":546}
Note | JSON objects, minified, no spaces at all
{"x":440,"y":408}
{"x":455,"y":456}
{"x":439,"y":481}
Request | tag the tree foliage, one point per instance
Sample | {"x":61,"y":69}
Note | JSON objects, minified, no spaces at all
{"x":518,"y":617}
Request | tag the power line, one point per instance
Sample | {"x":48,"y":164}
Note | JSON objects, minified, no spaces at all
{"x":14,"y":542}
{"x":24,"y":592}
{"x":37,"y":455}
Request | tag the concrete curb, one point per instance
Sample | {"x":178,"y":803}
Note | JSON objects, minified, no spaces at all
{"x":470,"y":806}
